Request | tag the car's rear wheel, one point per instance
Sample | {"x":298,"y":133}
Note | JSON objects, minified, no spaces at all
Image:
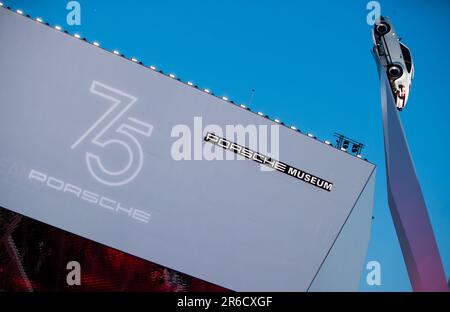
{"x":382,"y":29}
{"x":395,"y":71}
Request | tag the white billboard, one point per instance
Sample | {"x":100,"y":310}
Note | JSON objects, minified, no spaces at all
{"x":116,"y":152}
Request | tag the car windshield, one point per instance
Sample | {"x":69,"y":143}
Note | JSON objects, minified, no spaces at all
{"x":406,"y":57}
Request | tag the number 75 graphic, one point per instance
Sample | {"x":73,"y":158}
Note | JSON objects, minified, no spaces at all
{"x":107,"y":132}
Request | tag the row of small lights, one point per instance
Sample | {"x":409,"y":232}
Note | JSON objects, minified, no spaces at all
{"x":95,"y":43}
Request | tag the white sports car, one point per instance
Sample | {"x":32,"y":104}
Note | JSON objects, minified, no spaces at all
{"x":396,"y":58}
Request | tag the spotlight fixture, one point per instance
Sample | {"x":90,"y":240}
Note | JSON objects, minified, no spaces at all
{"x":343,"y":143}
{"x":355,"y":148}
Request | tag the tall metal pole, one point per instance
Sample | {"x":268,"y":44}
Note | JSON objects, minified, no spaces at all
{"x":406,"y":202}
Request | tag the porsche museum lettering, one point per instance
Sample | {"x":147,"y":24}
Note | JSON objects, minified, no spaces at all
{"x":268,"y":161}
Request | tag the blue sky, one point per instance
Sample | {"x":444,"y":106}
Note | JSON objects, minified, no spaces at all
{"x":311,"y":66}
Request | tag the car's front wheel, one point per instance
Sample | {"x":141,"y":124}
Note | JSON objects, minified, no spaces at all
{"x":382,"y":29}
